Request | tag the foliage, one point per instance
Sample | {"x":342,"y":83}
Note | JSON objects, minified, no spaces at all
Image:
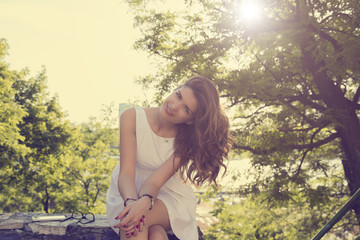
{"x":11,"y":113}
{"x":47,"y":164}
{"x":291,"y":81}
{"x":47,"y":134}
{"x":252,"y":219}
{"x":255,"y":217}
{"x":89,"y":168}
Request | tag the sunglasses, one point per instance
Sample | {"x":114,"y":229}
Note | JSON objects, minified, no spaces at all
{"x":81,"y":217}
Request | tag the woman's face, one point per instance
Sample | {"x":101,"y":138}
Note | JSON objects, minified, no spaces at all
{"x":180,"y":106}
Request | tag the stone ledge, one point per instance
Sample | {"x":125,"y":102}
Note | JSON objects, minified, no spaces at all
{"x":20,"y":226}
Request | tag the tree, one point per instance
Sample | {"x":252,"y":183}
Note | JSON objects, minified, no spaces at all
{"x":254,"y":217}
{"x":292,"y":80}
{"x":47,"y":136}
{"x":89,"y":168}
{"x":11,"y":113}
{"x":46,"y":163}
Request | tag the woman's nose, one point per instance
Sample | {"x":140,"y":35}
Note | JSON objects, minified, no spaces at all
{"x":175,"y":106}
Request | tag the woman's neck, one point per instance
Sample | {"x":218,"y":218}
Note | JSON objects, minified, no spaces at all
{"x":163,"y":127}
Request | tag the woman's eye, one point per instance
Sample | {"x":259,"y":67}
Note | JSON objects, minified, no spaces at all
{"x":178,"y":94}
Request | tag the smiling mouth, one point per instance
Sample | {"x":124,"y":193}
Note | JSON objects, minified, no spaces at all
{"x":168,"y":111}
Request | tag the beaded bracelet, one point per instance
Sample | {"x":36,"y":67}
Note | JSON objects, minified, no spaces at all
{"x":151,"y":199}
{"x":128,"y":199}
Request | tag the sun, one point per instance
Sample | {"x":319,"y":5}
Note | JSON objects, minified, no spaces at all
{"x":250,"y":11}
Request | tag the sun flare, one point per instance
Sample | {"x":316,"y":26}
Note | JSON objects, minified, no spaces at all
{"x":250,"y":11}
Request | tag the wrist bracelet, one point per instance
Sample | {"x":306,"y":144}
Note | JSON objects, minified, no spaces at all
{"x":151,"y":199}
{"x":129,"y":199}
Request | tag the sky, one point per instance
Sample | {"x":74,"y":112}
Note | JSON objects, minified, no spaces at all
{"x":85,"y":46}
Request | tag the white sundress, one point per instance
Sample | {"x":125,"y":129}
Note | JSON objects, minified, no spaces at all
{"x":178,"y":197}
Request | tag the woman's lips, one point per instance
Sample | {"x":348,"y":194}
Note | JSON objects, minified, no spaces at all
{"x":168,"y":111}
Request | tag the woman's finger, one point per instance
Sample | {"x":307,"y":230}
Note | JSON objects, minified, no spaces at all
{"x":123,"y":213}
{"x":136,"y":231}
{"x":130,"y":228}
{"x":141,"y":225}
{"x":143,"y":220}
{"x":122,"y":224}
{"x":131,"y":233}
{"x":126,"y":222}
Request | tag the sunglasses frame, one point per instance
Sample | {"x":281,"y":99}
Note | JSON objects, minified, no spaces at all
{"x":81,"y":217}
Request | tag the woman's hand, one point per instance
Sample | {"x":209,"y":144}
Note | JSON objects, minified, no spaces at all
{"x":138,"y":228}
{"x":133,"y":217}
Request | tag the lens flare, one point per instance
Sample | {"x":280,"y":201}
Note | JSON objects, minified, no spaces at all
{"x":250,"y":11}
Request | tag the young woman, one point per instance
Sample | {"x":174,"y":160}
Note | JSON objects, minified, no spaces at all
{"x":161,"y":150}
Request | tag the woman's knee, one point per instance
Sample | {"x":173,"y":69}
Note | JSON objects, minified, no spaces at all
{"x":157,"y":232}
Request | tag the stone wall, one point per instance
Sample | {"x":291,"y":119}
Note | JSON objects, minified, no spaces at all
{"x":21,"y":226}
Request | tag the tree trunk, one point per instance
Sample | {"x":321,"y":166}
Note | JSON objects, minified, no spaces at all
{"x":343,"y":114}
{"x":350,"y":141}
{"x":45,"y":202}
{"x":348,"y":127}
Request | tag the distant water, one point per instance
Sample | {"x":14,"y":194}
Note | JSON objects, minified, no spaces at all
{"x":235,"y":175}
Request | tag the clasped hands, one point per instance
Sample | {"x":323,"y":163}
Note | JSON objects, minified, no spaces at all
{"x":132,"y":218}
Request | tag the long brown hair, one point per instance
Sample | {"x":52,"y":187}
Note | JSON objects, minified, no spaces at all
{"x":203,"y":145}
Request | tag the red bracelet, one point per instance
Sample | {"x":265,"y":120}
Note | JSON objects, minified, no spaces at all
{"x":128,"y":199}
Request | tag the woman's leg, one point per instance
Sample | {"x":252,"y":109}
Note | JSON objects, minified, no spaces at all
{"x":157,"y":232}
{"x":156,"y":218}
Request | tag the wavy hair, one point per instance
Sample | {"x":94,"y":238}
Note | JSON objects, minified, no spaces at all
{"x":203,"y":145}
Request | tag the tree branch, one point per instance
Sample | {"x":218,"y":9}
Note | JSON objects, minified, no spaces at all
{"x":342,"y":15}
{"x":300,"y":165}
{"x":281,"y":129}
{"x":264,"y":65}
{"x":327,"y":37}
{"x":252,"y":114}
{"x":305,"y":101}
{"x":356,"y":97}
{"x":309,"y":147}
{"x":311,"y":122}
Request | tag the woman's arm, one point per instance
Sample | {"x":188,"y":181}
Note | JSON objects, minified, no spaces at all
{"x":134,"y":212}
{"x":126,"y":180}
{"x":153,"y":184}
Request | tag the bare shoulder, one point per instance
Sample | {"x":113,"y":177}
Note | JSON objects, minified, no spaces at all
{"x":128,"y":114}
{"x":128,"y":118}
